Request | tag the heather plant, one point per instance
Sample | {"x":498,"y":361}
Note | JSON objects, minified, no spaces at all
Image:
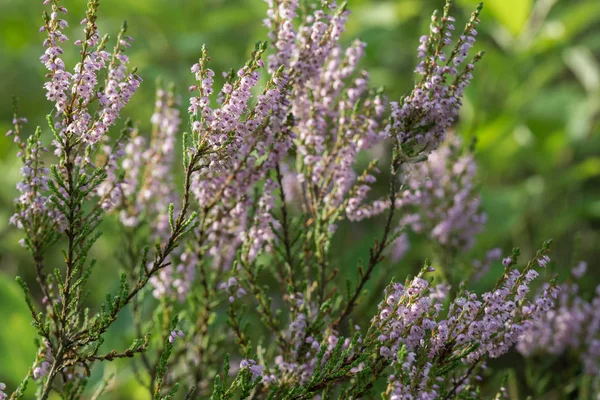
{"x":570,"y":333}
{"x":228,"y":215}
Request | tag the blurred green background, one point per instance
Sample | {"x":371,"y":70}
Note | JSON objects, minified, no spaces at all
{"x":534,"y":106}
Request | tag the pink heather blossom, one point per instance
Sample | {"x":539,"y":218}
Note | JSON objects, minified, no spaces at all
{"x":410,"y":320}
{"x":175,"y":334}
{"x":73,"y":92}
{"x":572,"y":327}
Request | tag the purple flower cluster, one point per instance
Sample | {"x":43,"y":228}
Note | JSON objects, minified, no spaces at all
{"x":306,"y":350}
{"x":572,"y":327}
{"x":421,"y":119}
{"x":110,"y":191}
{"x":2,"y":389}
{"x":255,"y":369}
{"x":443,"y":198}
{"x":244,"y":137}
{"x":415,"y":337}
{"x":440,"y":200}
{"x":175,"y":334}
{"x":327,"y":87}
{"x":304,"y":360}
{"x":60,"y":80}
{"x":280,"y":21}
{"x":72,"y":93}
{"x":176,"y":281}
{"x":148,"y":187}
{"x":244,"y":142}
{"x":43,"y":363}
{"x":34,"y":209}
{"x":260,"y":234}
{"x":233,"y":288}
{"x":140,"y":186}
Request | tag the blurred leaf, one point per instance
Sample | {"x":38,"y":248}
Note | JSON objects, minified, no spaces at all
{"x":382,"y":14}
{"x":581,"y":120}
{"x":587,"y":169}
{"x":511,"y":14}
{"x":579,"y":15}
{"x":583,"y":64}
{"x":17,"y":337}
{"x":493,"y":132}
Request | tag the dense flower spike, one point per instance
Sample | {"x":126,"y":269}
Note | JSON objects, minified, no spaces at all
{"x":35,"y":212}
{"x":415,"y":338}
{"x":573,"y":327}
{"x":110,"y":191}
{"x":443,"y":198}
{"x":60,"y":79}
{"x":148,"y":182}
{"x":73,"y":93}
{"x":421,"y":119}
{"x":260,"y":234}
{"x":440,"y":198}
{"x":147,"y":190}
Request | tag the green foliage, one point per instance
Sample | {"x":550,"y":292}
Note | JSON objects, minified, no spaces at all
{"x":20,"y":338}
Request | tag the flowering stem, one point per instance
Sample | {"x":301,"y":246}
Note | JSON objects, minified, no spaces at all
{"x":375,"y":253}
{"x":287,"y":243}
{"x":461,"y":381}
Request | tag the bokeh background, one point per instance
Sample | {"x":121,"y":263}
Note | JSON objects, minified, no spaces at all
{"x":534,"y":107}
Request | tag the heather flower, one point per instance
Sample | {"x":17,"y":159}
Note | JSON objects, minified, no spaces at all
{"x":175,"y":334}
{"x":255,"y":369}
{"x":290,"y":185}
{"x":573,"y":327}
{"x":147,"y":186}
{"x":260,"y":234}
{"x":223,"y":189}
{"x":400,"y":247}
{"x":72,"y":93}
{"x":543,"y":261}
{"x":145,"y":189}
{"x":420,"y":120}
{"x":282,"y":33}
{"x":415,"y":338}
{"x":43,"y":363}
{"x":579,"y":270}
{"x":441,"y":199}
{"x":110,"y":191}
{"x":60,"y":80}
{"x":35,"y":210}
{"x":233,"y":288}
{"x":327,"y":87}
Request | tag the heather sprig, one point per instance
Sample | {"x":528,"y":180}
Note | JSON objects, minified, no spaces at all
{"x":572,"y":329}
{"x":421,"y":119}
